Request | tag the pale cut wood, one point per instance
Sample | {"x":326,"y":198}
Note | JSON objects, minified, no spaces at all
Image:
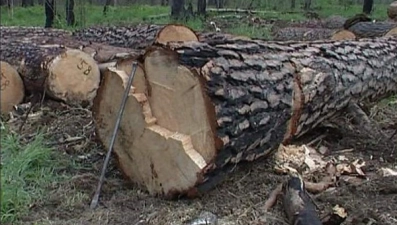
{"x":157,"y":150}
{"x":139,"y":83}
{"x":175,"y":32}
{"x":343,"y":35}
{"x":12,"y":88}
{"x":245,"y":97}
{"x":392,"y":32}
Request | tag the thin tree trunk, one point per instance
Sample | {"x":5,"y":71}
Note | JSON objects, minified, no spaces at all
{"x":177,"y":9}
{"x":70,"y":19}
{"x":49,"y":9}
{"x":367,"y":6}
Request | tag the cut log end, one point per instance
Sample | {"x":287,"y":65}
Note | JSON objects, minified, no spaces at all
{"x":148,"y":153}
{"x":73,"y":77}
{"x":12,"y":88}
{"x":343,"y":35}
{"x":174,"y":32}
{"x":392,"y":33}
{"x":139,"y":82}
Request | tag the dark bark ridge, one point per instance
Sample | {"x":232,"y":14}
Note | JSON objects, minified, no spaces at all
{"x":263,"y":91}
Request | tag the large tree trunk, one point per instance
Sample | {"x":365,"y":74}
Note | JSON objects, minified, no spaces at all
{"x":211,"y":106}
{"x":370,"y":29}
{"x":66,"y":74}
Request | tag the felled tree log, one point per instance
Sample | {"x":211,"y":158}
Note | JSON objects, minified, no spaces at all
{"x":27,"y":32}
{"x":332,"y":22}
{"x":211,"y":106}
{"x":370,"y":29}
{"x":135,"y":37}
{"x":100,"y":52}
{"x":66,"y":74}
{"x":297,"y":204}
{"x":303,"y":34}
{"x":12,"y":89}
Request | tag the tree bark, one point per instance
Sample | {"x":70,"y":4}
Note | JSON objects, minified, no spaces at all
{"x":136,"y":37}
{"x":12,"y":89}
{"x":367,"y":6}
{"x":371,"y":30}
{"x":49,"y":8}
{"x":209,"y":107}
{"x":65,"y":74}
{"x":303,"y":34}
{"x":10,"y":32}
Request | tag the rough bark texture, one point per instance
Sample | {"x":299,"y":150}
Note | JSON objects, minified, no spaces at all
{"x":67,"y":74}
{"x":332,"y":22}
{"x":303,"y":34}
{"x":26,"y":32}
{"x":370,"y":29}
{"x":297,"y":204}
{"x":257,"y":95}
{"x":134,"y":37}
{"x":39,"y":36}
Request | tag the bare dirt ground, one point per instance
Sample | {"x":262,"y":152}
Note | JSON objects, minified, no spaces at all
{"x":239,"y":200}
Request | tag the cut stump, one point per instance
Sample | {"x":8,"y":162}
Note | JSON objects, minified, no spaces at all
{"x":392,"y":11}
{"x":392,"y":33}
{"x":12,"y":88}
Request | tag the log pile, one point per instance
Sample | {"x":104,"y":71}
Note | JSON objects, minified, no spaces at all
{"x":200,"y":105}
{"x":303,"y":34}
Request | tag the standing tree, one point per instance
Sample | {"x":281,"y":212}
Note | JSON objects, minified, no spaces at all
{"x":177,"y":9}
{"x":49,"y":8}
{"x":307,"y":5}
{"x":367,"y":6}
{"x":201,"y":7}
{"x":70,"y":21}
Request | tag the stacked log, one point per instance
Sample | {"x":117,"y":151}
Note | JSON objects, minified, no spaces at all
{"x":27,"y":32}
{"x":65,"y":74}
{"x":12,"y":88}
{"x":206,"y":106}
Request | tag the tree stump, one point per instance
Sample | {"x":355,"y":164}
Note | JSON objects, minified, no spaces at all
{"x":12,"y":89}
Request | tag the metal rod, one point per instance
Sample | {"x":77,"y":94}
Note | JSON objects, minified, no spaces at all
{"x":95,"y":199}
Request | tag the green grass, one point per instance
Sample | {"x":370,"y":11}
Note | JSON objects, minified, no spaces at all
{"x":26,"y":172}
